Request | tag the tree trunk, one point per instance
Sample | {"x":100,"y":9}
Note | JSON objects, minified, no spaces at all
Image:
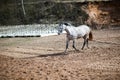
{"x":23,"y":8}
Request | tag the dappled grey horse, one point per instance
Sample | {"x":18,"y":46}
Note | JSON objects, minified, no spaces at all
{"x":82,"y":31}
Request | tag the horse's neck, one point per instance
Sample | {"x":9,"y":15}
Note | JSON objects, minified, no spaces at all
{"x":69,"y":29}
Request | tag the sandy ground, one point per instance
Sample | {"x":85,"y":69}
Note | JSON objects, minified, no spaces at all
{"x":43,"y":58}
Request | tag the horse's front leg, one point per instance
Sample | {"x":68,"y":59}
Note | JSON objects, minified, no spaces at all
{"x":74,"y":46}
{"x":67,"y":44}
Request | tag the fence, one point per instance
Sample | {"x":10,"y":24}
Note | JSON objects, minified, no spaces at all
{"x":36,"y":30}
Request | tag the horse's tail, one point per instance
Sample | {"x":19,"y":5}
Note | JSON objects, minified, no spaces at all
{"x":90,"y":36}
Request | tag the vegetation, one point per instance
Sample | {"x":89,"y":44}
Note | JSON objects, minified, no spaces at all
{"x":15,"y":12}
{"x":11,"y":12}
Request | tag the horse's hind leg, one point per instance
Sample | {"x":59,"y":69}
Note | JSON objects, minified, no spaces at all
{"x":85,"y":41}
{"x":84,"y":44}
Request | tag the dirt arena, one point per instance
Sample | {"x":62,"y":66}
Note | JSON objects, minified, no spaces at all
{"x":43,"y":58}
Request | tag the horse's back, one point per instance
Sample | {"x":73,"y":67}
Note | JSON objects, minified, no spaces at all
{"x":78,"y":32}
{"x":83,"y":29}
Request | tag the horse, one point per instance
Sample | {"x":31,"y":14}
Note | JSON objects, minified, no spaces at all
{"x":72,"y":33}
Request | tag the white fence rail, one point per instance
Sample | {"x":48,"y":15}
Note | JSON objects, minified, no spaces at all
{"x":28,"y":30}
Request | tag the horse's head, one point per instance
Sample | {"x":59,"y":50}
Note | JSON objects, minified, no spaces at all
{"x":61,"y":28}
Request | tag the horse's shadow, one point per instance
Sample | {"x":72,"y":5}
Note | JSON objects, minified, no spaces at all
{"x":47,"y":55}
{"x":52,"y":55}
{"x":59,"y":54}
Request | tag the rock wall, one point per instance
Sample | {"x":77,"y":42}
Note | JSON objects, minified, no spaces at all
{"x":103,"y":13}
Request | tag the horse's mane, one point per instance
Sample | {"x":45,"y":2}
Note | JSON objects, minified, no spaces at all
{"x":67,"y":24}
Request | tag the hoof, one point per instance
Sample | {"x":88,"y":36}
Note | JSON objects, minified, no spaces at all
{"x":65,"y":53}
{"x":88,"y":47}
{"x":77,"y":50}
